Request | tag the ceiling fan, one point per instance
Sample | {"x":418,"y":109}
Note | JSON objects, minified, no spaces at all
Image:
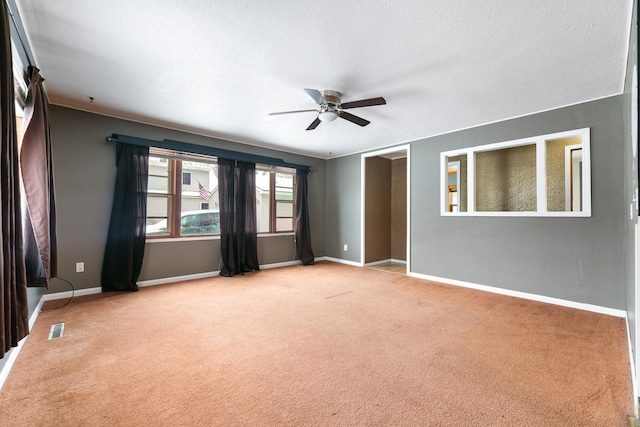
{"x":330,"y":107}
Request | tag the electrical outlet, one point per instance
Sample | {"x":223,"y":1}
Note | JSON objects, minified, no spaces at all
{"x":345,"y":247}
{"x":79,"y":267}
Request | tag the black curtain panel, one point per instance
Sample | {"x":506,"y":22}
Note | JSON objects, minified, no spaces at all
{"x":303,"y":233}
{"x":226,"y":170}
{"x":127,"y":227}
{"x":39,"y":209}
{"x":238,"y":223}
{"x":247,"y":208}
{"x":14,"y":308}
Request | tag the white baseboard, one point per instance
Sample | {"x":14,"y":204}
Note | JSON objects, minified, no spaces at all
{"x":36,"y":312}
{"x":382,"y":261}
{"x":541,"y":298}
{"x":632,"y":366}
{"x":280,"y":264}
{"x":173,"y":279}
{"x":342,"y":261}
{"x":508,"y":292}
{"x":69,"y":294}
{"x":162,"y":281}
{"x":11,"y":356}
{"x":386,"y":261}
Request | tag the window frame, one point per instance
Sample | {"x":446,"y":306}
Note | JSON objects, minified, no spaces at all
{"x":174,"y":193}
{"x":169,"y":195}
{"x":274,"y":213}
{"x":273,"y":201}
{"x":175,"y":186}
{"x":541,"y":188}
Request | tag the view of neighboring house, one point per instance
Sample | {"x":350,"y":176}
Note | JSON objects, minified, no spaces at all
{"x":200,"y":193}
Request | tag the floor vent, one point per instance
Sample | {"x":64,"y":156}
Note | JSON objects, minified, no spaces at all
{"x":56,"y":330}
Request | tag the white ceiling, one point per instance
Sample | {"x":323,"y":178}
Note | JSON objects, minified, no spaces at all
{"x":218,"y":67}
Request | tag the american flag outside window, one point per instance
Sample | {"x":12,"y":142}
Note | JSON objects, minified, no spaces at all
{"x":204,"y":194}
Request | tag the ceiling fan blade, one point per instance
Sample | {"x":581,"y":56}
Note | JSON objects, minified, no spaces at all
{"x":314,"y":124}
{"x":316,"y":95}
{"x":290,"y":112}
{"x":363,"y":103}
{"x":354,"y":119}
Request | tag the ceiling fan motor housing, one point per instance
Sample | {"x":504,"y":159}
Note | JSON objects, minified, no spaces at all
{"x":332,"y":97}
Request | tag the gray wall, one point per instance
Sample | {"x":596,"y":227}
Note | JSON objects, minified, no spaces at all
{"x":377,"y":216}
{"x":631,"y":183}
{"x":578,"y":259}
{"x":85,"y":177}
{"x":343,"y":211}
{"x":202,"y":256}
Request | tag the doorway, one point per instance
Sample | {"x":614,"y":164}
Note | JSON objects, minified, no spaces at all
{"x":385,"y":219}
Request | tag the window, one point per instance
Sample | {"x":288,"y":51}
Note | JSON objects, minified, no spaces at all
{"x":548,"y":175}
{"x":159,"y":197}
{"x":175,"y":208}
{"x":282,"y":215}
{"x":19,"y":78}
{"x":275,"y":190}
{"x":263,"y":200}
{"x":186,"y":178}
{"x":20,"y":89}
{"x":188,"y":205}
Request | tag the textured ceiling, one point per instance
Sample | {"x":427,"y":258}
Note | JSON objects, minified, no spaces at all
{"x":218,"y":68}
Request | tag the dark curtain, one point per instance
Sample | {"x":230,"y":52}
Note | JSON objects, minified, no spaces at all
{"x":303,"y":233}
{"x":14,"y":308}
{"x":238,"y":227}
{"x":127,"y":227}
{"x":39,"y":209}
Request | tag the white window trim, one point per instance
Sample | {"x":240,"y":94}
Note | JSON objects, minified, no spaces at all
{"x":540,"y":143}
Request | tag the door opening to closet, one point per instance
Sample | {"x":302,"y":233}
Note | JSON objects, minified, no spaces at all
{"x":386,"y":210}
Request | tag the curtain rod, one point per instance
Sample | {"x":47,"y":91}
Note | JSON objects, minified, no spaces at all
{"x":186,"y":147}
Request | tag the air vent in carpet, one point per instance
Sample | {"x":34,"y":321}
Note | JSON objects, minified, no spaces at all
{"x":56,"y":330}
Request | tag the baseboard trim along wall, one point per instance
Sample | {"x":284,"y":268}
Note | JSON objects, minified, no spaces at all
{"x":508,"y":292}
{"x":74,"y":293}
{"x":557,"y":301}
{"x":12,"y":355}
{"x":340,"y":261}
{"x":382,"y":261}
{"x":386,"y":261}
{"x":280,"y":264}
{"x":518,"y":294}
{"x":162,"y":281}
{"x":165,"y":280}
{"x":632,"y":366}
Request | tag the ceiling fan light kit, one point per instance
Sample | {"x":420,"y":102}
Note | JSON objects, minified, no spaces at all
{"x":327,"y":116}
{"x":330,"y":107}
